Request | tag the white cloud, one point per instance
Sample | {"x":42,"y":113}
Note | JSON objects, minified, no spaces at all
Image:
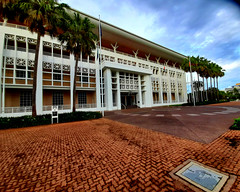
{"x":230,"y":65}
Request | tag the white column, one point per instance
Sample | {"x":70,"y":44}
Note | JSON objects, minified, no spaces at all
{"x":139,"y":91}
{"x":72,"y":70}
{"x":176,"y":92}
{"x":97,"y":76}
{"x":26,"y":74}
{"x":161,"y":89}
{"x":184,"y":87}
{"x":148,"y":94}
{"x":39,"y":91}
{"x":169,"y":91}
{"x":118,"y":92}
{"x":15,"y":60}
{"x":108,"y":89}
{"x":2,"y":35}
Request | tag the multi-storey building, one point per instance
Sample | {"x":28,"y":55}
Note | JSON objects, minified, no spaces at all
{"x":136,"y":72}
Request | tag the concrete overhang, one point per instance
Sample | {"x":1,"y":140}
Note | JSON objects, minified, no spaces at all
{"x":126,"y":68}
{"x":131,"y":42}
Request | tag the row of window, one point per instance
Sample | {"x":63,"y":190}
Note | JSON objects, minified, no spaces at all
{"x":57,"y":98}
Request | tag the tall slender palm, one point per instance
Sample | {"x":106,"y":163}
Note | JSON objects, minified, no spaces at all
{"x":40,"y":16}
{"x":220,"y":73}
{"x":79,"y":38}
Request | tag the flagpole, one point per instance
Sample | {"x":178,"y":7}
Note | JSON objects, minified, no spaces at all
{"x":193,"y":95}
{"x":100,"y":64}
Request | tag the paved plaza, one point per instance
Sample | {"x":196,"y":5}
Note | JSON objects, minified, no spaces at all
{"x":106,"y":155}
{"x":201,"y":123}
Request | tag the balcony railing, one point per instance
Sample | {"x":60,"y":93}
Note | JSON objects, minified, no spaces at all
{"x":82,"y":106}
{"x":17,"y":109}
{"x":60,"y":107}
{"x":157,"y":102}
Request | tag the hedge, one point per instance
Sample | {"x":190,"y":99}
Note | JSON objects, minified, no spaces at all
{"x":236,"y":124}
{"x":29,"y":121}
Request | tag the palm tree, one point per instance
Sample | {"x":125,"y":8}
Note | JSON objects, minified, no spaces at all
{"x":79,"y":38}
{"x":40,"y":16}
{"x":220,"y":73}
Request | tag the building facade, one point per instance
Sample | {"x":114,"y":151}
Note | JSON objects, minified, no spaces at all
{"x":136,"y":73}
{"x":237,"y":86}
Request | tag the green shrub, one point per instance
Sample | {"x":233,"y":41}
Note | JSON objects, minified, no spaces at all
{"x":24,"y":121}
{"x":236,"y":124}
{"x":78,"y":116}
{"x":28,"y":121}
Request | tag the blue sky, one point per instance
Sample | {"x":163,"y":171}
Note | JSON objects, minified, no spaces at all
{"x":209,"y":28}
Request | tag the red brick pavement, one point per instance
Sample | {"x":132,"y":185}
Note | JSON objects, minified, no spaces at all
{"x":103,"y":155}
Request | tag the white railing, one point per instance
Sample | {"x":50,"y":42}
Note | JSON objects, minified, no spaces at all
{"x":32,"y":50}
{"x":60,"y":107}
{"x":82,"y":106}
{"x":47,"y":53}
{"x":17,"y":109}
{"x":23,"y":49}
{"x":16,"y":26}
{"x":10,"y":47}
{"x":157,"y":102}
{"x":57,"y":55}
{"x":66,"y":56}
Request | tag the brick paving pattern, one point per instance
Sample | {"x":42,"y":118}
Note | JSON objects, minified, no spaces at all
{"x":105,"y":155}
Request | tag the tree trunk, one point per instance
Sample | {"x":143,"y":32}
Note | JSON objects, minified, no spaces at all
{"x":203,"y":90}
{"x":198,"y":95}
{"x":217,"y":89}
{"x":74,"y":82}
{"x":211,"y":88}
{"x":207,"y":88}
{"x":35,"y":70}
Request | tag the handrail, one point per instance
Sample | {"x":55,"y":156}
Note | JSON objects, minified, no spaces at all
{"x":17,"y":109}
{"x":125,"y":107}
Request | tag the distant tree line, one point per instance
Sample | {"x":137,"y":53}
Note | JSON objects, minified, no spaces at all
{"x":205,"y":69}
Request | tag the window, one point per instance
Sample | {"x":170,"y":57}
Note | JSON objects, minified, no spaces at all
{"x":82,"y":98}
{"x":21,"y":71}
{"x":57,"y":75}
{"x":85,"y":77}
{"x":57,"y":98}
{"x":25,"y":99}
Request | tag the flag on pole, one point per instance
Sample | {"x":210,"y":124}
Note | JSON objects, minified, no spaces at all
{"x":100,"y":29}
{"x":100,"y":66}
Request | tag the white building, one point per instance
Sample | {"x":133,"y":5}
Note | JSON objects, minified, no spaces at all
{"x":137,"y":72}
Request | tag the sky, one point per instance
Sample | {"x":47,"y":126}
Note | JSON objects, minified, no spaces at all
{"x":208,"y":28}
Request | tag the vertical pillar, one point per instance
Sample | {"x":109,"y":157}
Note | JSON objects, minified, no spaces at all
{"x":148,"y":94}
{"x":97,"y":76}
{"x":108,"y":89}
{"x":118,"y":92}
{"x":2,"y":76}
{"x":15,"y":60}
{"x":176,"y":92}
{"x":39,"y":91}
{"x":26,"y":75}
{"x":161,"y":90}
{"x":184,"y":87}
{"x":139,"y":91}
{"x":72,"y":71}
{"x":169,"y":95}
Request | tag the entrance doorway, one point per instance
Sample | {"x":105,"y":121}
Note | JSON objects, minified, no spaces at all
{"x":128,"y":100}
